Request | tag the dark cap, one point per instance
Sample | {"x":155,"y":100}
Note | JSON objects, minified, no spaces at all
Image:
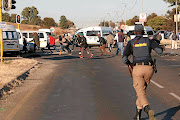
{"x":139,"y":28}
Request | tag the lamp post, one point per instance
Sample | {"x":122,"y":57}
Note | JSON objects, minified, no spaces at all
{"x":176,"y":24}
{"x":109,"y":19}
{"x":142,"y":7}
{"x":125,"y":12}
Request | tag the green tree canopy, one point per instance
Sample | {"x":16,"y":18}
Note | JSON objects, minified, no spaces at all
{"x":48,"y":22}
{"x":63,"y":22}
{"x":6,"y":17}
{"x":13,"y":18}
{"x":30,"y":14}
{"x":70,"y":24}
{"x":157,"y":23}
{"x":133,"y":20}
{"x":172,"y":2}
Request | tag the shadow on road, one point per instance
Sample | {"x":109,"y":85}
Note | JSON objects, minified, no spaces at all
{"x":62,"y":58}
{"x":169,"y":113}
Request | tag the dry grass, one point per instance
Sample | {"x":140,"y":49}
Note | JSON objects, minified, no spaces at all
{"x":25,"y":27}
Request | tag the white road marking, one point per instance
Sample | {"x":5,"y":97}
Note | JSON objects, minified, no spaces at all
{"x":174,"y":95}
{"x":160,"y":86}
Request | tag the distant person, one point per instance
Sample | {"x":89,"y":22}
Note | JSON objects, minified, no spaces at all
{"x":102,"y":45}
{"x":61,"y":45}
{"x":65,"y":45}
{"x":174,"y":37}
{"x":120,"y":42}
{"x":52,"y":42}
{"x":24,"y":44}
{"x":157,"y":37}
{"x":84,"y":46}
{"x":127,"y":38}
{"x":74,"y":41}
{"x":36,"y":40}
{"x":110,"y":41}
{"x":78,"y":40}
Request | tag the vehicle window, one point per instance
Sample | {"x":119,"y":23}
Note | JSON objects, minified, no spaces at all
{"x":10,"y":35}
{"x":150,"y":32}
{"x":41,"y":35}
{"x":162,"y":31}
{"x":15,"y":36}
{"x":93,"y":33}
{"x":106,"y":33}
{"x":5,"y":36}
{"x":80,"y":33}
{"x":31,"y":35}
{"x":48,"y":33}
{"x":19,"y":35}
{"x":131,"y":33}
{"x":25,"y":35}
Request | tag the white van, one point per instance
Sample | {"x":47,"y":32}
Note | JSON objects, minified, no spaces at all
{"x":30,"y":46}
{"x":148,"y":31}
{"x":91,"y":34}
{"x":48,"y":31}
{"x":43,"y":37}
{"x":10,"y":40}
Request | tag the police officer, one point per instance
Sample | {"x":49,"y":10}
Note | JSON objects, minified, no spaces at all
{"x":140,"y":47}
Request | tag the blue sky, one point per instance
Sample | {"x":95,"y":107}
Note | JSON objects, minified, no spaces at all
{"x":90,"y":12}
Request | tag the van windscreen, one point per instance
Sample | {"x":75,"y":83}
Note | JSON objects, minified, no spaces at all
{"x":93,"y":33}
{"x":10,"y":35}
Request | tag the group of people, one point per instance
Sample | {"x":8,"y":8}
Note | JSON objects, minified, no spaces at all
{"x":80,"y":40}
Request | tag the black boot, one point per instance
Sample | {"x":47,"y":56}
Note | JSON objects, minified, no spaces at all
{"x":149,"y":112}
{"x":138,"y":114}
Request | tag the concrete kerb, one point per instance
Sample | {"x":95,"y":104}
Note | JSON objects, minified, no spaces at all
{"x":8,"y":87}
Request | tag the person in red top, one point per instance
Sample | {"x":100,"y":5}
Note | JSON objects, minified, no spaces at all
{"x":52,"y":43}
{"x":52,"y":40}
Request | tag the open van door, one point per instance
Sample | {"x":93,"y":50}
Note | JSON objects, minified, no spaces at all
{"x":43,"y":39}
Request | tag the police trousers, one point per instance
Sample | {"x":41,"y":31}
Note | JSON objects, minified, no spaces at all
{"x":142,"y":75}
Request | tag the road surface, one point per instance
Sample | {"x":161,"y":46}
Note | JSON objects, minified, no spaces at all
{"x":96,"y":89}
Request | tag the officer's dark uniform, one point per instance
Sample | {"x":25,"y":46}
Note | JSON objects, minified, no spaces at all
{"x":140,"y":47}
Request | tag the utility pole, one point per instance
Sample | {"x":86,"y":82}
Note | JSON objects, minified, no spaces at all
{"x":125,"y":14}
{"x":176,"y":24}
{"x":142,"y":6}
{"x":109,"y":19}
{"x":1,"y":38}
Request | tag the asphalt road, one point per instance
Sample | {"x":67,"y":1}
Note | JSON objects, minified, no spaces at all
{"x":100,"y":89}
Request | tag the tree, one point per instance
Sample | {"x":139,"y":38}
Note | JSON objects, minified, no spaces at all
{"x":30,"y":14}
{"x":6,"y":17}
{"x":172,"y":2}
{"x":151,"y":16}
{"x":13,"y":18}
{"x":112,"y":24}
{"x":48,"y":22}
{"x":133,"y":20}
{"x":63,"y":22}
{"x":70,"y":24}
{"x":157,"y":23}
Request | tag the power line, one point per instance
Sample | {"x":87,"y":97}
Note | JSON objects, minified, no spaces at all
{"x":133,"y":5}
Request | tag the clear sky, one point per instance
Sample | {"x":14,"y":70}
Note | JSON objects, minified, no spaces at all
{"x":90,"y":12}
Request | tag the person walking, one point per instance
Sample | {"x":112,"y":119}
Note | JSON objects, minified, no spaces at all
{"x":173,"y":38}
{"x":120,"y":42}
{"x":102,"y":45}
{"x":78,"y":40}
{"x":110,"y":40}
{"x":84,"y":46}
{"x":52,"y":42}
{"x":65,"y":45}
{"x":142,"y":72}
{"x":36,"y":40}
